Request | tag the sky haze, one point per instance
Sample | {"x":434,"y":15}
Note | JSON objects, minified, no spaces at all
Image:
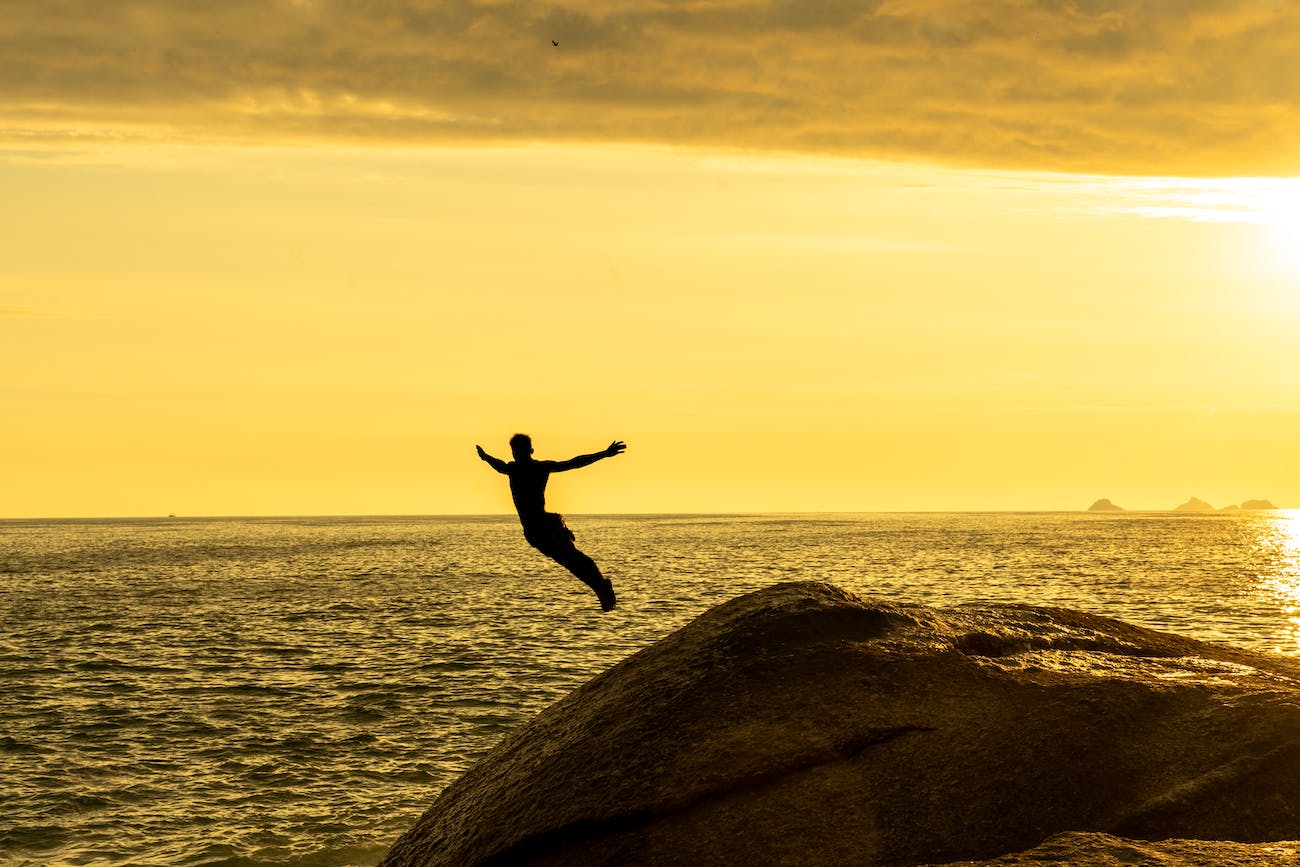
{"x":300,"y":257}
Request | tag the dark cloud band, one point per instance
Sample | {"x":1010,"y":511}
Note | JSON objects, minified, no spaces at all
{"x":1131,"y":86}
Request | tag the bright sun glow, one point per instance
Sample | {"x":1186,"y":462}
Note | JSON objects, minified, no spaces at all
{"x":1271,"y":204}
{"x":1282,"y":215}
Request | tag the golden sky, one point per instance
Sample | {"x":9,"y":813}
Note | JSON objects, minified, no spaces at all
{"x":299,"y":257}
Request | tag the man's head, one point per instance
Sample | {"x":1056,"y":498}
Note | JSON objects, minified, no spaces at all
{"x":521,"y":446}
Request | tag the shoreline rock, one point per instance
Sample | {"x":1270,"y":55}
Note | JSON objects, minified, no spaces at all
{"x":804,"y":725}
{"x":1080,"y":849}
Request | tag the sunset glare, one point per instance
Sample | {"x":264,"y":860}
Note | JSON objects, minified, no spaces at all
{"x":1284,"y":220}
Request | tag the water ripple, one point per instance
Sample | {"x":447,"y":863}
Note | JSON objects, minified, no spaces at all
{"x":299,"y":690}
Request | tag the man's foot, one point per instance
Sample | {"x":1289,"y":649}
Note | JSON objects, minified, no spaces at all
{"x":605,"y":593}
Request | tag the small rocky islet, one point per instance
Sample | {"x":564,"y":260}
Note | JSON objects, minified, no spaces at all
{"x":802,"y":724}
{"x":1193,"y":504}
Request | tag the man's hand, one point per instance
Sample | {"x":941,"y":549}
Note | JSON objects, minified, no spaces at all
{"x":482,"y":454}
{"x":615,"y":448}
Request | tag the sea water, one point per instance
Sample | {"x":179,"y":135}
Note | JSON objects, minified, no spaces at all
{"x":297,"y":691}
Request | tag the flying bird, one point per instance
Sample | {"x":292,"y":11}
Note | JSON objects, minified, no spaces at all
{"x":556,"y":44}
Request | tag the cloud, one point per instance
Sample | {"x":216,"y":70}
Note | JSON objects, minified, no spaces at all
{"x":1206,"y":87}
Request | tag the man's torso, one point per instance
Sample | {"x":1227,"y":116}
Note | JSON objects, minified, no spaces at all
{"x":528,"y":489}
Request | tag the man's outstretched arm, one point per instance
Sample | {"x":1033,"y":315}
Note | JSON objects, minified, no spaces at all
{"x":496,"y":463}
{"x":615,"y":448}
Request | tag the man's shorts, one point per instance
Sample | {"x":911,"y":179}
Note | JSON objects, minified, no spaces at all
{"x":549,"y":533}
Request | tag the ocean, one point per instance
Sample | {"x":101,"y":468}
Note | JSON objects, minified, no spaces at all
{"x":296,"y":691}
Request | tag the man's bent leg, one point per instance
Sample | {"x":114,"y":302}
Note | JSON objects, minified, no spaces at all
{"x":584,"y":568}
{"x":554,"y":539}
{"x":588,"y":572}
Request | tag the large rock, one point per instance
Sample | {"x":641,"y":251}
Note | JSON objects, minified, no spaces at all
{"x":1105,"y":505}
{"x":804,"y":725}
{"x":1194,"y":504}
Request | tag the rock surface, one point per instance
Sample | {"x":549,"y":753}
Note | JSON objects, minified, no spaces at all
{"x":1104,"y":505}
{"x":1257,"y":505}
{"x":1194,"y":504}
{"x":1103,"y":850}
{"x":804,"y":725}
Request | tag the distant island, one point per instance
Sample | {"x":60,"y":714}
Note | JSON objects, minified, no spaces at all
{"x":1196,"y":504}
{"x":1193,"y":504}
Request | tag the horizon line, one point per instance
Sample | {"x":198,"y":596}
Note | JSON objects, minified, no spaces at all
{"x":1226,"y":510}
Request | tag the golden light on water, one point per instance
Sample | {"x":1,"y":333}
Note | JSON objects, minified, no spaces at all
{"x":1281,"y":541}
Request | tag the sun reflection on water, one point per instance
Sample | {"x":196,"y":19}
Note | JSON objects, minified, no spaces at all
{"x":1279,"y":541}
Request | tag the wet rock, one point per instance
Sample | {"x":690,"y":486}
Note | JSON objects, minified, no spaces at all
{"x":804,"y":725}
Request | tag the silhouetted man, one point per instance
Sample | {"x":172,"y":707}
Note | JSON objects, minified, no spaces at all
{"x":546,"y":531}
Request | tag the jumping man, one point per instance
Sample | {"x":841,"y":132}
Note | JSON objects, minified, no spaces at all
{"x":546,"y":531}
